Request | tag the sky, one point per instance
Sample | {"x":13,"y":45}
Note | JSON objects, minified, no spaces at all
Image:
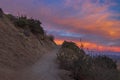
{"x":96,"y":22}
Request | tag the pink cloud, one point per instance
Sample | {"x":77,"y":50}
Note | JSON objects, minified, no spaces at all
{"x":92,"y":18}
{"x":88,"y":17}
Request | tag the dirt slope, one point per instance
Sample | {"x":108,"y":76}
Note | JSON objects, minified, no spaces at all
{"x":44,"y":69}
{"x":17,"y":50}
{"x":25,"y":58}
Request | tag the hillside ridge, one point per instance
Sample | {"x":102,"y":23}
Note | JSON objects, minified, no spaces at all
{"x":18,"y":50}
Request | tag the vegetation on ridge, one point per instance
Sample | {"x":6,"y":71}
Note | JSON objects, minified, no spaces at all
{"x":25,"y":23}
{"x":85,"y":67}
{"x":29,"y":25}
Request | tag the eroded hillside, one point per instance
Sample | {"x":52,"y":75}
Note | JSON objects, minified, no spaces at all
{"x":18,"y":50}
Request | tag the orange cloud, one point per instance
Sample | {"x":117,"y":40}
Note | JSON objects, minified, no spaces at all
{"x":99,"y":24}
{"x":89,"y":45}
{"x":92,"y":20}
{"x":59,"y":42}
{"x":89,"y":18}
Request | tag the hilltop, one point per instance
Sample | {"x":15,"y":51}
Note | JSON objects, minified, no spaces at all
{"x":21,"y":45}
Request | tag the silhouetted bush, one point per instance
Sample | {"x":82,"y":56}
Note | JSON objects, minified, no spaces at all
{"x":51,"y":38}
{"x":82,"y":68}
{"x":71,"y":45}
{"x":25,"y":23}
{"x":35,"y":26}
{"x":85,"y":67}
{"x":21,"y":22}
{"x":105,"y":62}
{"x":11,"y":17}
{"x":69,"y":53}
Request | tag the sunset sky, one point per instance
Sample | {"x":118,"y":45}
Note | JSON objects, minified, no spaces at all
{"x":97,"y":22}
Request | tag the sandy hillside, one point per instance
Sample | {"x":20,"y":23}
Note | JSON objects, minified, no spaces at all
{"x":18,"y":50}
{"x":24,"y":57}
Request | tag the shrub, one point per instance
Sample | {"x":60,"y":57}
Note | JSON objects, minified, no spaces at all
{"x":105,"y":62}
{"x":11,"y":17}
{"x":82,"y":68}
{"x":21,"y":22}
{"x":25,"y":23}
{"x":70,"y":45}
{"x":51,"y":38}
{"x":85,"y":67}
{"x":68,"y":53}
{"x":35,"y":26}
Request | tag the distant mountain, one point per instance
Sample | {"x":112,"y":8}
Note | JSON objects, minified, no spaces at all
{"x":114,"y":55}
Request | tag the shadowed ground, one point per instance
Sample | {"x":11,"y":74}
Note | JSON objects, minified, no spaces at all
{"x":44,"y":69}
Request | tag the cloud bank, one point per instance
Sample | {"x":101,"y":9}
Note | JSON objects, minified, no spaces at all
{"x":97,"y":22}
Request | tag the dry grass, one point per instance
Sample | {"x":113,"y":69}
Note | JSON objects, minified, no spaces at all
{"x":17,"y":50}
{"x":118,"y":66}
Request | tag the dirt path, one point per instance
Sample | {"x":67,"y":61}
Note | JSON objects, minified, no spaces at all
{"x":45,"y":69}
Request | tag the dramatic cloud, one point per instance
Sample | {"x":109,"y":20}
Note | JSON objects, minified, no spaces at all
{"x":97,"y":22}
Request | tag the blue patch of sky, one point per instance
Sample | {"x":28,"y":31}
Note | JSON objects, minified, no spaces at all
{"x":63,"y":33}
{"x":115,"y":14}
{"x":115,"y":17}
{"x":52,"y":2}
{"x":116,"y":7}
{"x":48,"y":2}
